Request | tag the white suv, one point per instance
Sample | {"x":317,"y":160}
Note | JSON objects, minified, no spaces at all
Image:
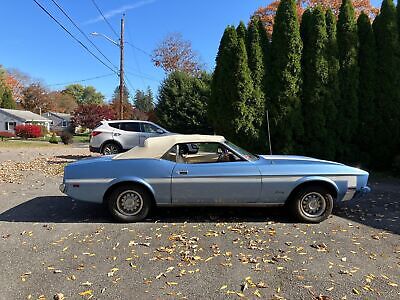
{"x":112,"y":137}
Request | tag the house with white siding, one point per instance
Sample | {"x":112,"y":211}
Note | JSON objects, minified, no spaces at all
{"x":60,"y":121}
{"x":9,"y":118}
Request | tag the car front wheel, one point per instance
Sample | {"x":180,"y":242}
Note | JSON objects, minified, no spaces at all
{"x":110,"y":149}
{"x":312,"y":204}
{"x":129,"y":203}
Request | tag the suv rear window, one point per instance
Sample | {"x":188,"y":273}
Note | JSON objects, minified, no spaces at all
{"x":114,"y":125}
{"x":130,"y":126}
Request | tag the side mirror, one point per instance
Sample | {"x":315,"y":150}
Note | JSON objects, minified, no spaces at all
{"x":160,"y":131}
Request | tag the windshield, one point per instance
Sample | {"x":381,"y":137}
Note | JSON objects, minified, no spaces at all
{"x":247,"y":155}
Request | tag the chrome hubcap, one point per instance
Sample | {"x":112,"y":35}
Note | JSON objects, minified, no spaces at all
{"x":313,"y":205}
{"x":110,"y":150}
{"x":129,"y":203}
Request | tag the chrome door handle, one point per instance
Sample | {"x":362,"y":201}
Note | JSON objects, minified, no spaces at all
{"x":182,"y":172}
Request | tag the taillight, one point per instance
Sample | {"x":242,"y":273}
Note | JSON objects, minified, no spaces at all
{"x":94,"y":133}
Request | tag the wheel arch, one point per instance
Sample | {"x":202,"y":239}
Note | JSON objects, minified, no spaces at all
{"x":110,"y":142}
{"x":131,"y":182}
{"x":312,"y":181}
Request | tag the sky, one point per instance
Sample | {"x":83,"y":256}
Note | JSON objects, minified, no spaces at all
{"x":34,"y":44}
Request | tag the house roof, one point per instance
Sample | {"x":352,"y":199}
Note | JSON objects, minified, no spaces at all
{"x":65,"y":117}
{"x":156,"y":147}
{"x":24,"y":115}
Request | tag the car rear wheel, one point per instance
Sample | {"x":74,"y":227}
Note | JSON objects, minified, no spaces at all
{"x":129,"y":203}
{"x":110,"y":149}
{"x":312,"y":204}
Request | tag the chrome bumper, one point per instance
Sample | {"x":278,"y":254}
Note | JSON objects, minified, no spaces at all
{"x":362,"y":192}
{"x":62,"y":188}
{"x":352,"y":193}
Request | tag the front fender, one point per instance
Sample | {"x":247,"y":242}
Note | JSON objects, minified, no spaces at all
{"x":317,"y":179}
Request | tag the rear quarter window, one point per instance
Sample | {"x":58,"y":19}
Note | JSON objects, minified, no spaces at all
{"x":114,"y":125}
{"x":130,"y":126}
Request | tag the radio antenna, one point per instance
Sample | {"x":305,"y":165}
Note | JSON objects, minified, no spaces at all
{"x":269,"y":134}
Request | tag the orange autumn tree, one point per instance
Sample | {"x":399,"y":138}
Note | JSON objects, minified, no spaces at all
{"x":15,"y":86}
{"x":267,"y":14}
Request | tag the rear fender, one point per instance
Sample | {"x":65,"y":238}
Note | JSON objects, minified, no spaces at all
{"x":132,"y":179}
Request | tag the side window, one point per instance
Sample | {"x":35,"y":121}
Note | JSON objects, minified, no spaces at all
{"x":114,"y":125}
{"x":170,"y":155}
{"x":201,"y":153}
{"x":149,"y":128}
{"x":130,"y":126}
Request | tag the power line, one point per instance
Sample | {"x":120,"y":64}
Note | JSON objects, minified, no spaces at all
{"x":135,"y":58}
{"x":82,"y":80}
{"x":83,"y":33}
{"x":105,"y":19}
{"x":140,"y":75}
{"x":72,"y":36}
{"x":137,"y":48}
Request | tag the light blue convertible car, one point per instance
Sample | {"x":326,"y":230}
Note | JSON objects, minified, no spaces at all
{"x":190,"y":170}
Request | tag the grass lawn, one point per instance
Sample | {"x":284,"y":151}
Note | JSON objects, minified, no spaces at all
{"x":23,"y":143}
{"x":81,"y":138}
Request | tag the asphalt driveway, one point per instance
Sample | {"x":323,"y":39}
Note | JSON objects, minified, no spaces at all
{"x":51,"y":244}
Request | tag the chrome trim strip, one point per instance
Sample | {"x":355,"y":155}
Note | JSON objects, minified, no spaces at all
{"x":258,"y":204}
{"x":91,"y":180}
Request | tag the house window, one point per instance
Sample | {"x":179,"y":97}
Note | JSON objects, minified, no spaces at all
{"x":10,"y":125}
{"x":64,"y":124}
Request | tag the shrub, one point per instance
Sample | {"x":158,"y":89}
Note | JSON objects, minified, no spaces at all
{"x":44,"y":130}
{"x":26,"y":131}
{"x":53,"y":139}
{"x":66,"y":137}
{"x":6,"y":134}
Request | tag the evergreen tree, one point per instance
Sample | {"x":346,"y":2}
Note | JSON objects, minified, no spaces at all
{"x":366,"y":93}
{"x":7,"y":100}
{"x":315,"y":80}
{"x":398,"y":17}
{"x":182,"y":103}
{"x":348,"y":81}
{"x":284,"y":81}
{"x":144,"y":100}
{"x":220,"y":110}
{"x":241,"y":31}
{"x":231,"y":104}
{"x":332,"y":89}
{"x":244,"y":129}
{"x":256,"y":65}
{"x":388,"y":82}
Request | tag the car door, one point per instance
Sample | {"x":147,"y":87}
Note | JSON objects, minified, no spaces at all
{"x":148,"y":130}
{"x":128,"y":134}
{"x":231,"y":182}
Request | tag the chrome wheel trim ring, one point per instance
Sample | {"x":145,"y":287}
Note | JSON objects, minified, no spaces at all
{"x":110,"y":149}
{"x":313,"y":205}
{"x":129,"y":203}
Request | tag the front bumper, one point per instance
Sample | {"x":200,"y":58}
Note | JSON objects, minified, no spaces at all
{"x":362,"y":192}
{"x":353,"y":193}
{"x":62,"y":188}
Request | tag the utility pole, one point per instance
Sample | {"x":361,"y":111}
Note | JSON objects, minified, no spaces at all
{"x":121,"y":70}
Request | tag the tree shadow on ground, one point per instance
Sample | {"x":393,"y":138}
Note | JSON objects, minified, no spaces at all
{"x":380,"y":210}
{"x":62,"y":209}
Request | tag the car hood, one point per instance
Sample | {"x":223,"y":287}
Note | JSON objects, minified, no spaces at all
{"x":297,"y":159}
{"x":309,"y":164}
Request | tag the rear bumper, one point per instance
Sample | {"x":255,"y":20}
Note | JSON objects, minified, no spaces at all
{"x":94,"y":149}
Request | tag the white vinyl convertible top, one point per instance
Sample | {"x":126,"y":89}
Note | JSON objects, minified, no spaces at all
{"x":156,"y":147}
